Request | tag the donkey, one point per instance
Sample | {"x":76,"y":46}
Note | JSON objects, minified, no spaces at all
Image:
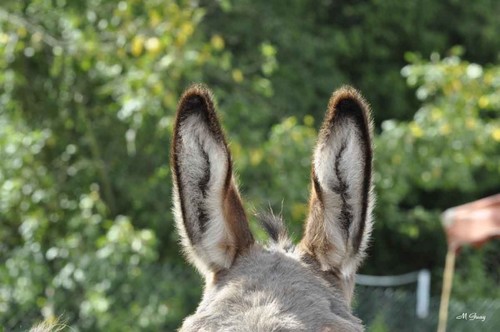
{"x":278,"y":286}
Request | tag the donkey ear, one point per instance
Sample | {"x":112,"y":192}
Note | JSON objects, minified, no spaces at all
{"x":208,"y":210}
{"x":339,"y":221}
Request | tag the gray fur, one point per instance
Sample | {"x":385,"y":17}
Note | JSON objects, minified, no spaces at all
{"x":270,"y":289}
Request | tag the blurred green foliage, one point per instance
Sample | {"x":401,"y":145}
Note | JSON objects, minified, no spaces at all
{"x":88,"y":91}
{"x":448,"y":154}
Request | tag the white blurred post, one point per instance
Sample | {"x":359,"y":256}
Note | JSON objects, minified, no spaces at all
{"x":423,"y":293}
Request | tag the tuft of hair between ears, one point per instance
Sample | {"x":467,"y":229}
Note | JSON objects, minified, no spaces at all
{"x":275,"y":227}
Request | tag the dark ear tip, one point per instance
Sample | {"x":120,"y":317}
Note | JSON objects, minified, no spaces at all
{"x":348,"y":102}
{"x":197,"y":97}
{"x":197,"y":101}
{"x":347,"y":99}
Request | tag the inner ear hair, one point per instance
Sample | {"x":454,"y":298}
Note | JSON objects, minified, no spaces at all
{"x":339,"y":224}
{"x":209,"y":212}
{"x":348,"y":105}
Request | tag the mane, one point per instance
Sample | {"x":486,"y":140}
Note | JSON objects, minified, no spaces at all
{"x":275,"y":227}
{"x":50,"y":325}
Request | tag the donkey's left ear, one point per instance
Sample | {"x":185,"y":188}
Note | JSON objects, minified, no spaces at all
{"x":208,"y":210}
{"x":339,"y":221}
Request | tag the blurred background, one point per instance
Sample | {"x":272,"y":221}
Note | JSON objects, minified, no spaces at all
{"x":88,"y":92}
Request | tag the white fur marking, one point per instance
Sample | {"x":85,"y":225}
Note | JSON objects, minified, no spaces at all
{"x":351,"y":171}
{"x":198,"y":143}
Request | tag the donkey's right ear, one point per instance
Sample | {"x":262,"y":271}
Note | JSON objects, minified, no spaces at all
{"x":339,"y":221}
{"x":208,"y":210}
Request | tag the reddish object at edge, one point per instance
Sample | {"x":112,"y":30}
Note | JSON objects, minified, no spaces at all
{"x":472,"y":223}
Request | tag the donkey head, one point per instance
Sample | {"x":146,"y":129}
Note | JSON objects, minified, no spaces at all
{"x":279,"y":286}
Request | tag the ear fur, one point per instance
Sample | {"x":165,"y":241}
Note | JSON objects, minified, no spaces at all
{"x":208,"y":209}
{"x":339,"y":222}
